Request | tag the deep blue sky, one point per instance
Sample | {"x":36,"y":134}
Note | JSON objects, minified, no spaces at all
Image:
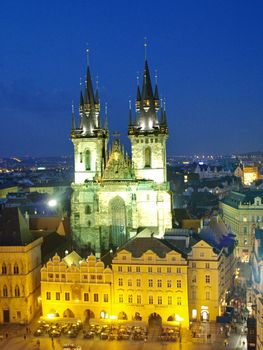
{"x":208,"y":53}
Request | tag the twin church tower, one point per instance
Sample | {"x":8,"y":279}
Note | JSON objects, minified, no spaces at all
{"x":116,"y":197}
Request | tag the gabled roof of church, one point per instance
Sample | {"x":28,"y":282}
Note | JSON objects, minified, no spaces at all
{"x":14,"y":229}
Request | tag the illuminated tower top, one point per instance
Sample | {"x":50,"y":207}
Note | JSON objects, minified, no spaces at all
{"x":89,"y":111}
{"x":147,"y":109}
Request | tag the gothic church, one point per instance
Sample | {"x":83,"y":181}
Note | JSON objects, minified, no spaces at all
{"x":116,"y":197}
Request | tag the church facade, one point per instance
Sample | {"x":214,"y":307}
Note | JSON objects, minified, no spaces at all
{"x":116,"y":196}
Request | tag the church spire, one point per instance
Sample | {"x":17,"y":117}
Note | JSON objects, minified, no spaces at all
{"x":130,"y":114}
{"x":147,"y":105}
{"x":73,"y":125}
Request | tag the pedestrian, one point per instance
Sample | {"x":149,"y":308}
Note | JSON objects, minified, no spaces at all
{"x":6,"y":335}
{"x":25,"y":336}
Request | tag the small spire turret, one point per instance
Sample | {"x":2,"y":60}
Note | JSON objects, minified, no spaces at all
{"x":130,"y":114}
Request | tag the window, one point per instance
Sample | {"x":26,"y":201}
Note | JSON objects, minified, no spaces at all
{"x":138,"y":269}
{"x":129,"y":282}
{"x":124,"y":257}
{"x":87,"y":159}
{"x":147,"y":157}
{"x":17,"y":291}
{"x":80,"y":157}
{"x":57,"y":275}
{"x":194,"y":279}
{"x":169,"y":269}
{"x":150,"y":283}
{"x":106,"y":298}
{"x":130,"y":298}
{"x":207,"y":265}
{"x":67,"y":296}
{"x":179,"y":300}
{"x":178,"y":270}
{"x":159,"y":283}
{"x":57,"y":296}
{"x":160,"y":300}
{"x":150,"y":269}
{"x":159,"y":270}
{"x":87,"y":209}
{"x":50,"y":275}
{"x":139,"y":299}
{"x":16,"y":269}
{"x":4,"y":269}
{"x":120,"y":298}
{"x":207,"y":295}
{"x":119,"y":268}
{"x":138,"y":283}
{"x":48,"y":295}
{"x":194,"y":265}
{"x":86,"y":296}
{"x":129,"y":269}
{"x":96,"y":297}
{"x":179,"y":284}
{"x":202,"y":254}
{"x":245,"y":230}
{"x":120,"y":282}
{"x":169,"y":283}
{"x":170,"y":300}
{"x":207,"y":279}
{"x":85,"y":277}
{"x":150,"y":299}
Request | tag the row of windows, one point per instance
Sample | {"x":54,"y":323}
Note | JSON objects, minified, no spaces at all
{"x":207,"y":265}
{"x":207,"y":295}
{"x":15,"y":269}
{"x":147,"y":140}
{"x":85,"y":277}
{"x":159,"y":300}
{"x":6,"y":294}
{"x":207,"y":279}
{"x":159,"y":283}
{"x":86,"y":297}
{"x":150,"y":269}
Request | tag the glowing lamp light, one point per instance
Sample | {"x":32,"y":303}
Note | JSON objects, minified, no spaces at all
{"x":51,"y":315}
{"x":179,"y":318}
{"x":52,"y":203}
{"x":113,"y":317}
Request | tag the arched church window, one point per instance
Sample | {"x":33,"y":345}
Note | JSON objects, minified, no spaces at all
{"x":87,"y":159}
{"x":147,"y":157}
{"x":5,"y":291}
{"x":87,"y":209}
{"x":16,"y":269}
{"x":4,"y":269}
{"x":17,"y":291}
{"x":117,"y":211}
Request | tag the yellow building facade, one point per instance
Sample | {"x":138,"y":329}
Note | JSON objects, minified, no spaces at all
{"x":150,"y":282}
{"x":20,"y":263}
{"x":76,"y":288}
{"x":210,"y":279}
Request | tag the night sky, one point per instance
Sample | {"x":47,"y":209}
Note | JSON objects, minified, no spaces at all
{"x":208,"y":53}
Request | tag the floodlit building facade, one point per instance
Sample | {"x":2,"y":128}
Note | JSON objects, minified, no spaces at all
{"x":20,"y":263}
{"x":150,"y":282}
{"x":114,"y":196}
{"x":242,"y":212}
{"x":76,"y":288}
